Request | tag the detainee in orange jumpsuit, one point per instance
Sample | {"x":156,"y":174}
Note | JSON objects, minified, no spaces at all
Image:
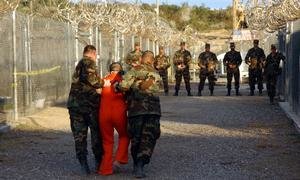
{"x":113,"y":116}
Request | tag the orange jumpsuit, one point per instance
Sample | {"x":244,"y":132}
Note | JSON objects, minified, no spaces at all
{"x":113,"y":115}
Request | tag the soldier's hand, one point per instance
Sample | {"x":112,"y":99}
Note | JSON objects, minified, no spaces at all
{"x":99,"y":91}
{"x":144,"y":85}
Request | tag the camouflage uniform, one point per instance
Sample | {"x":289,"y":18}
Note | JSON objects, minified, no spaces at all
{"x":133,"y":57}
{"x":232,"y":60}
{"x":144,"y":112}
{"x":83,"y":105}
{"x":182,"y":58}
{"x":255,"y":57}
{"x":205,"y":60}
{"x":271,"y":72}
{"x":162,"y":64}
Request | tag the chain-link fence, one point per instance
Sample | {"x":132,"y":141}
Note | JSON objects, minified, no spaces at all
{"x":38,"y":56}
{"x":289,"y":81}
{"x":36,"y":63}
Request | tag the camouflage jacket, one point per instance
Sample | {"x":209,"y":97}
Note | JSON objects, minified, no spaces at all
{"x":232,"y":58}
{"x":161,"y":62}
{"x":207,"y":61}
{"x":182,"y":58}
{"x":255,"y":53}
{"x":141,"y":84}
{"x":85,"y":81}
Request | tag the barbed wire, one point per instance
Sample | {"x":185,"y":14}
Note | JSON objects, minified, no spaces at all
{"x":272,"y":15}
{"x":8,"y":5}
{"x":122,"y":16}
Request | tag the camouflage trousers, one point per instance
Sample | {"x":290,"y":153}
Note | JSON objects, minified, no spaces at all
{"x":271,"y":85}
{"x":186,"y":76}
{"x":233,"y":72}
{"x":255,"y":76}
{"x":79,"y":125}
{"x":164,"y":77}
{"x":143,"y":132}
{"x":211,"y":80}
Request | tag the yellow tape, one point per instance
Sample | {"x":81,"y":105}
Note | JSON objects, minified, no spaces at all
{"x":38,"y":72}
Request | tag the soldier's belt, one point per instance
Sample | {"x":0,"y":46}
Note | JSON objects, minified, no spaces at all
{"x":232,"y":66}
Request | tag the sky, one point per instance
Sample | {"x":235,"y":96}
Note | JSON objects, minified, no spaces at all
{"x":214,"y":4}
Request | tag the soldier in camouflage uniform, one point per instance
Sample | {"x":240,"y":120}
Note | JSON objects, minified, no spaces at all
{"x":182,"y":59}
{"x":83,"y":107}
{"x":272,"y":70}
{"x":232,"y":60}
{"x":254,"y":59}
{"x":134,"y":57}
{"x":161,"y":64}
{"x":207,"y":62}
{"x":141,"y":84}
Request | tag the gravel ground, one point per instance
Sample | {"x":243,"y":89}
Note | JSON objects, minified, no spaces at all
{"x":204,"y":137}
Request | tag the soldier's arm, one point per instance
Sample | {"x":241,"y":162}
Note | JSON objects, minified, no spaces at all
{"x":215,"y":58}
{"x":239,"y":59}
{"x":128,"y":81}
{"x":200,"y":61}
{"x":263,"y":55}
{"x":155,"y":63}
{"x":89,"y":75}
{"x":282,"y":57}
{"x":167,"y":62}
{"x":247,"y":57}
{"x":225,"y":59}
{"x":152,"y":84}
{"x":175,"y":59}
{"x":189,"y":58}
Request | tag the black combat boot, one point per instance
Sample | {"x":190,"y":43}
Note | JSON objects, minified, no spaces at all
{"x":211,"y":92}
{"x":260,"y":92}
{"x":139,"y":170}
{"x":166,"y":93}
{"x":251,"y":93}
{"x":189,"y":93}
{"x":199,"y":93}
{"x":97,"y":164}
{"x":237,"y":93}
{"x":228,"y":92}
{"x":272,"y":100}
{"x":176,"y":93}
{"x":84,"y":166}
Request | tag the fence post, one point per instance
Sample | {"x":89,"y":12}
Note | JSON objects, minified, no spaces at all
{"x":76,"y":45}
{"x":97,"y":43}
{"x":122,"y":49}
{"x":116,"y":53}
{"x":15,"y":87}
{"x":27,"y":50}
{"x":69,"y":61}
{"x":100,"y":54}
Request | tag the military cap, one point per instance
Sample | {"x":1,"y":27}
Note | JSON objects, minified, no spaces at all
{"x":133,"y":57}
{"x":137,"y":44}
{"x":232,"y":44}
{"x":273,"y":46}
{"x":255,"y":41}
{"x":147,"y":53}
{"x":207,"y":45}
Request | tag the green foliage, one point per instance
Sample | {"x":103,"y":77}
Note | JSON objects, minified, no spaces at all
{"x":200,"y":18}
